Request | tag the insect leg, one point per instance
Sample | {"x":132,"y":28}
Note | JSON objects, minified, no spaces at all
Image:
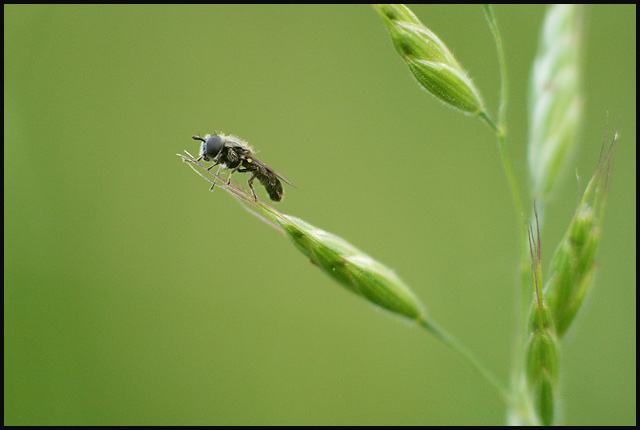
{"x":213,"y":165}
{"x":233,"y":171}
{"x":216,"y":178}
{"x":250,"y":182}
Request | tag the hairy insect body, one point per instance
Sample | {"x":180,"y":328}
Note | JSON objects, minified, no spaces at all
{"x":233,"y":153}
{"x":232,"y":156}
{"x":271,"y":184}
{"x":242,"y":158}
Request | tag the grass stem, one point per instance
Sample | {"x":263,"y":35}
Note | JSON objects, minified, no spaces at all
{"x":467,"y":356}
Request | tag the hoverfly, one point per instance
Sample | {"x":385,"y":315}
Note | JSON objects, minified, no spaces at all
{"x":231,"y":152}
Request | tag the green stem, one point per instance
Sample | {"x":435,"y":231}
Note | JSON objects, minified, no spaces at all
{"x":524,"y":263}
{"x":502,"y":110}
{"x":511,"y":178}
{"x":501,"y":129}
{"x":466,"y":355}
{"x":483,"y":116}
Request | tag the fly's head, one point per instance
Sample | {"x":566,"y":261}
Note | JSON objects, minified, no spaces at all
{"x":211,"y":146}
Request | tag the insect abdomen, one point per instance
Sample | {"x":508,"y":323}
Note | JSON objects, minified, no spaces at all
{"x":272,"y":185}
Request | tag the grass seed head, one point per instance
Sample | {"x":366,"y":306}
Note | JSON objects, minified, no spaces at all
{"x":542,"y":363}
{"x":430,"y":61}
{"x":556,"y":98}
{"x":572,"y":269}
{"x":353,"y":269}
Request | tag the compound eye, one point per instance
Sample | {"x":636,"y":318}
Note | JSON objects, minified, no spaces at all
{"x":212,"y":146}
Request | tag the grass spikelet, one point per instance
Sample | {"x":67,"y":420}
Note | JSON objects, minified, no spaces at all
{"x":542,"y":370}
{"x":353,"y":269}
{"x":541,"y":348}
{"x":430,"y":61}
{"x":555,"y":98}
{"x":573,"y":263}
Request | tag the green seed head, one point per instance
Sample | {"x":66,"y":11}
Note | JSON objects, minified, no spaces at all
{"x":429,"y":60}
{"x":396,"y":12}
{"x":573,"y":263}
{"x":353,"y":269}
{"x":572,"y":268}
{"x":541,"y":349}
{"x":542,"y":363}
{"x":555,"y":98}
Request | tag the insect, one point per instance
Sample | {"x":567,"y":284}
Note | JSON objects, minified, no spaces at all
{"x":231,"y":152}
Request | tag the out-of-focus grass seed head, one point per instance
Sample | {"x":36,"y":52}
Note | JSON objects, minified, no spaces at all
{"x":542,"y":362}
{"x":555,"y":98}
{"x":572,"y":268}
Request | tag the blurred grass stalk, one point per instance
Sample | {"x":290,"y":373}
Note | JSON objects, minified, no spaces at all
{"x":554,"y":307}
{"x":555,"y":100}
{"x":555,"y":117}
{"x":556,"y":103}
{"x":555,"y":113}
{"x":541,"y":351}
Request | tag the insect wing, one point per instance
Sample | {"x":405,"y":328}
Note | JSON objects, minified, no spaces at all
{"x":256,"y":161}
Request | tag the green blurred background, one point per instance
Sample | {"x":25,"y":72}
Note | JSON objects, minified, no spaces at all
{"x":134,"y":296}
